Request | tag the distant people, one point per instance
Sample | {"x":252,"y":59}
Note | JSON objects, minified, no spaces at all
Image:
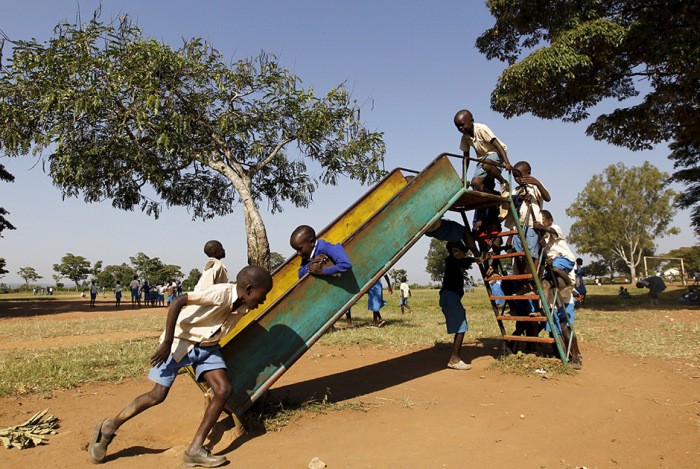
{"x":146,"y":291}
{"x":375,"y":300}
{"x":404,"y":295}
{"x":118,"y":294}
{"x":451,"y":293}
{"x":623,"y":293}
{"x":93,"y":293}
{"x":34,"y":291}
{"x":319,"y":257}
{"x":135,"y":287}
{"x":696,"y":277}
{"x":689,"y":297}
{"x":580,"y":284}
{"x":179,"y":288}
{"x":656,"y":285}
{"x":195,"y":324}
{"x":487,"y":146}
{"x":82,"y":294}
{"x":214,"y":270}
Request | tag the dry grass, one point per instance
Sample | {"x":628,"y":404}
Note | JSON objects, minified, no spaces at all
{"x":619,"y":326}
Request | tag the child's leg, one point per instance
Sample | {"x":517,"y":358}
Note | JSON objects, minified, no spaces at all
{"x":104,"y":432}
{"x":143,"y":402}
{"x":221,"y":387}
{"x":456,"y":348}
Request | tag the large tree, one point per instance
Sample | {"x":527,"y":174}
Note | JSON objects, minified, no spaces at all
{"x":564,"y":57}
{"x":435,"y":259}
{"x":28,"y":274}
{"x":624,"y":210}
{"x":111,"y":274}
{"x":76,"y":268}
{"x":134,"y":120}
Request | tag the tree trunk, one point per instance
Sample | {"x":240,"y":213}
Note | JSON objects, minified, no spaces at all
{"x":256,"y":234}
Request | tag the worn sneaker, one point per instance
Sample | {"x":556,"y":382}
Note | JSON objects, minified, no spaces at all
{"x":203,"y":458}
{"x":576,"y":363}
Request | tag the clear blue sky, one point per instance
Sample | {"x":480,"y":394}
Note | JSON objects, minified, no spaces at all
{"x":416,"y":63}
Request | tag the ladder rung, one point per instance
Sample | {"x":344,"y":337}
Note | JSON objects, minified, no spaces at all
{"x":525,"y":338}
{"x":522,"y":318}
{"x":509,"y":277}
{"x":532,"y":296}
{"x":502,"y":234}
{"x":508,"y":255}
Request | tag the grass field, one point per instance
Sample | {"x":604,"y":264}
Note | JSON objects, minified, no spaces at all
{"x":617,"y":325}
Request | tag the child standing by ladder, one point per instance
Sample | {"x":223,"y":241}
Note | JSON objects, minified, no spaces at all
{"x":528,"y":197}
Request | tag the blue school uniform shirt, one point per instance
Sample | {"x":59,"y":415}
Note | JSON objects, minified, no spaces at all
{"x":336,"y":253}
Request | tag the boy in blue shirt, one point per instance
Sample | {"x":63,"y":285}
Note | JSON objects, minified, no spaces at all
{"x":319,"y":257}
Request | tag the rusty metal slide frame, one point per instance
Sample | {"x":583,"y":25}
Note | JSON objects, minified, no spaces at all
{"x":267,"y":346}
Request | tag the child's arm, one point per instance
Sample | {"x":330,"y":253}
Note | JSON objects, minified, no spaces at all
{"x":163,"y":350}
{"x":341,"y":260}
{"x":524,"y":180}
{"x":388,"y":282}
{"x":502,"y":153}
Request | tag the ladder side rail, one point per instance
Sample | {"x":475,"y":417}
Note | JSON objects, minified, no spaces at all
{"x":535,"y":278}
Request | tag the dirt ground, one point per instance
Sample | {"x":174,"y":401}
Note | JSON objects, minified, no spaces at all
{"x":619,"y":412}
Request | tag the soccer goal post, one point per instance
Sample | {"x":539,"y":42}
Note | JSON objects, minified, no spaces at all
{"x":665,"y":264}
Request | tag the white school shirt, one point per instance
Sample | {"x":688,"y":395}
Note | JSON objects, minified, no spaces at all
{"x":557,"y":245}
{"x":214,"y":272}
{"x":206,"y":318}
{"x":527,"y":217}
{"x":404,"y":290}
{"x":481,"y":141}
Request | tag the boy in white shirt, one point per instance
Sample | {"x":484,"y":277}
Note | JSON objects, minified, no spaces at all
{"x":528,"y":197}
{"x":405,"y":293}
{"x":193,"y":327}
{"x":559,"y":254}
{"x":214,"y":270}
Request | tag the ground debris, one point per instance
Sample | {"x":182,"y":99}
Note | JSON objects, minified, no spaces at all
{"x":30,"y":433}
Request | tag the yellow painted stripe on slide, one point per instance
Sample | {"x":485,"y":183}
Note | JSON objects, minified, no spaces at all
{"x":338,"y":231}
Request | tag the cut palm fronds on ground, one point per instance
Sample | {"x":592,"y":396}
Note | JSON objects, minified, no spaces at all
{"x":31,"y":432}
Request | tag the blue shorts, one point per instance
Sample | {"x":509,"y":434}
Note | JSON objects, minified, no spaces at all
{"x":403,"y":301}
{"x":202,"y":359}
{"x":118,"y":295}
{"x":93,"y":296}
{"x":135,"y":293}
{"x":449,"y":230}
{"x":455,"y":314}
{"x":559,"y":316}
{"x":533,"y":242}
{"x":563,"y":263}
{"x":480,"y":171}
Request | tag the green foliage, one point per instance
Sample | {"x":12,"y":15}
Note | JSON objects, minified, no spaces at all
{"x":154,"y":270}
{"x":124,"y":117}
{"x":109,"y":276}
{"x":396,"y":275}
{"x":566,"y":57}
{"x":192,"y":278}
{"x":28,"y":274}
{"x":4,"y":223}
{"x":436,"y":260}
{"x":76,"y":268}
{"x":621,"y":213}
{"x":690,"y":256}
{"x":3,"y":263}
{"x":276,"y":260}
{"x":596,"y":269}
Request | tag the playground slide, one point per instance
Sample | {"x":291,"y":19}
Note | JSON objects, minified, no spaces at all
{"x":375,"y":232}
